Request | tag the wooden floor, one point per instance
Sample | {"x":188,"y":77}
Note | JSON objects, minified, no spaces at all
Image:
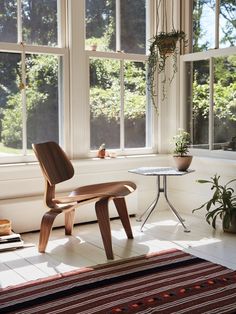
{"x":84,"y":248}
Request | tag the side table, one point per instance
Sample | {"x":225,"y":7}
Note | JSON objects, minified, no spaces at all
{"x":159,"y":172}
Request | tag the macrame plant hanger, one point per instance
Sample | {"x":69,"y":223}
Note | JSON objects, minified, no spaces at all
{"x":164,"y":46}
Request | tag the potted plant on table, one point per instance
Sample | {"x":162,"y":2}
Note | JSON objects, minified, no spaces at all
{"x":222,"y":204}
{"x":181,"y":157}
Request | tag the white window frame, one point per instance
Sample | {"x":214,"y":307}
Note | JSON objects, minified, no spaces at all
{"x":197,"y":56}
{"x":80,"y":107}
{"x":60,"y":50}
{"x":122,"y":58}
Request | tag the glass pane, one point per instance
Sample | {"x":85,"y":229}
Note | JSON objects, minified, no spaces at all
{"x":227,"y":23}
{"x":104,"y":103}
{"x":10,"y":105}
{"x":100,"y":25}
{"x":39,"y":22}
{"x":42,"y":99}
{"x":135,"y":104}
{"x":225,"y":103}
{"x":8,"y":21}
{"x":203,"y":25}
{"x":200,"y":104}
{"x":133,"y":18}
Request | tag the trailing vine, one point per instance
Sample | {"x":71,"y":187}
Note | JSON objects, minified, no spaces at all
{"x":164,"y":45}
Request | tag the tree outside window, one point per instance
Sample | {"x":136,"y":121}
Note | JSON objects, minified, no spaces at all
{"x":29,"y":97}
{"x":118,"y":96}
{"x":211,"y":99}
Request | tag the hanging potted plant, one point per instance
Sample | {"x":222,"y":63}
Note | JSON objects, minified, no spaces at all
{"x":164,"y":45}
{"x":222,"y":204}
{"x":181,"y":157}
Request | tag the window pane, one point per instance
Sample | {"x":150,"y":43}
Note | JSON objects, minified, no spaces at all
{"x":133,"y":26}
{"x":227,"y":23}
{"x":203,"y":25}
{"x":10,"y":105}
{"x":225,"y":103}
{"x":104,"y":103}
{"x":42,"y":99}
{"x":8,"y":21}
{"x":100,"y":25}
{"x":39,"y":22}
{"x":135,"y":104}
{"x":200,"y":104}
{"x":103,"y":26}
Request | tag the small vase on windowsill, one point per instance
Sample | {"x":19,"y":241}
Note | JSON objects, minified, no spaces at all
{"x":101,"y":151}
{"x":94,"y":47}
{"x":181,"y":157}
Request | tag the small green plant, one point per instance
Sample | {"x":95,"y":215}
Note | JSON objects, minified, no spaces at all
{"x":182,"y":142}
{"x":222,"y":203}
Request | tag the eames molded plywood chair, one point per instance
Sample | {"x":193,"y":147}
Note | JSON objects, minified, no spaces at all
{"x":56,"y":168}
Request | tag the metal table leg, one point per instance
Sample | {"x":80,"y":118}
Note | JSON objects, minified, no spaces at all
{"x":152,"y":206}
{"x":172,"y":207}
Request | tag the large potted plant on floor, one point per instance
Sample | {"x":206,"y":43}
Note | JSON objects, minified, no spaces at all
{"x":222,"y":204}
{"x":181,"y":157}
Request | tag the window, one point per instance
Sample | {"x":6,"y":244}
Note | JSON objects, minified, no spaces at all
{"x":213,"y":24}
{"x":31,"y":66}
{"x":119,"y":104}
{"x":210,"y":77}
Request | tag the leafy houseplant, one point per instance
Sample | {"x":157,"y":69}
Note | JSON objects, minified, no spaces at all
{"x":222,"y":204}
{"x":163,"y":46}
{"x":181,"y":157}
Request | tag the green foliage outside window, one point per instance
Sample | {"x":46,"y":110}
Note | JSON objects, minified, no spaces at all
{"x":41,"y":95}
{"x":224,"y":91}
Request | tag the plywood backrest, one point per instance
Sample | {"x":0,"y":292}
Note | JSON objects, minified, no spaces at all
{"x":55,"y":165}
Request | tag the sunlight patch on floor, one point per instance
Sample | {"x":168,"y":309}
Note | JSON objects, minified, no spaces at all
{"x":198,"y":242}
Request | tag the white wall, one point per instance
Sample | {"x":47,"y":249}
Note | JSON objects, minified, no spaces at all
{"x":187,"y":194}
{"x":22,"y":186}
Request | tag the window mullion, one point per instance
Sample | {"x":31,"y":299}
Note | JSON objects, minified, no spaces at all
{"x":122,"y":95}
{"x":23,"y":78}
{"x":217,"y":23}
{"x":118,"y":26}
{"x":19,"y":22}
{"x":23,"y":98}
{"x":211,"y":103}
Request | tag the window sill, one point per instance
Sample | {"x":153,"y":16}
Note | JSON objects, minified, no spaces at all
{"x":214,"y":154}
{"x":25,"y":170}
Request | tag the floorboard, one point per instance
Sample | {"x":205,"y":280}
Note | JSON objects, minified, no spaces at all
{"x":65,"y":253}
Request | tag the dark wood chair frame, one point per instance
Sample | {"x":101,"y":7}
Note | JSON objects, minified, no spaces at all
{"x":56,"y":168}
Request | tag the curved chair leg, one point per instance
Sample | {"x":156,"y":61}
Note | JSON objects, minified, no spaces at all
{"x":102,"y":213}
{"x":124,"y":217}
{"x":45,"y":229}
{"x":69,"y":221}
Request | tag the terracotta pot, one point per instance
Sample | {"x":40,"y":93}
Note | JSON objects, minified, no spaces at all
{"x":168,"y":46}
{"x":101,"y":153}
{"x":232,"y":226}
{"x":94,"y":47}
{"x":183,"y":162}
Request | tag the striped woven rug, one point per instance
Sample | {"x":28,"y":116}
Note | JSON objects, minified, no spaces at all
{"x":165,"y":282}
